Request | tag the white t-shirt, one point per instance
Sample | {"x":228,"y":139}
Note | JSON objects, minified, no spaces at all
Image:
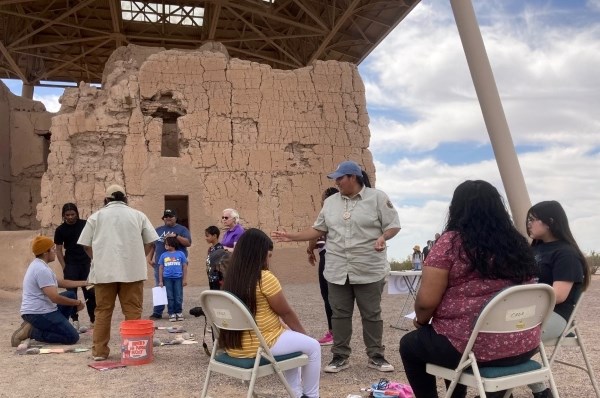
{"x":117,"y":234}
{"x":38,"y":276}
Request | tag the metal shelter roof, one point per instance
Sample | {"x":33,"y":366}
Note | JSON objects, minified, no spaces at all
{"x":71,"y":40}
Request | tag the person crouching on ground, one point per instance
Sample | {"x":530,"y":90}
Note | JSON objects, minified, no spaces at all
{"x":45,"y":312}
{"x":251,"y":281}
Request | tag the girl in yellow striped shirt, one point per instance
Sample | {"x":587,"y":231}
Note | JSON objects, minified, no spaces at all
{"x":249,"y":278}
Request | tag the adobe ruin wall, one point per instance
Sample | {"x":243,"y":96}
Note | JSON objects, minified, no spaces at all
{"x":248,"y":136}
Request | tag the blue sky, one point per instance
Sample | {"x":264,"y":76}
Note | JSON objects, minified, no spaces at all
{"x":427,"y":131}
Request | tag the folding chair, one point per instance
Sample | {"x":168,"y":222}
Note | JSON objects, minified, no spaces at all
{"x":514,"y":309}
{"x":571,"y":338}
{"x":225,"y":311}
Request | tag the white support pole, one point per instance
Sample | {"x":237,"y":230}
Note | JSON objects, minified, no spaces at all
{"x":493,"y":113}
{"x":27,"y":91}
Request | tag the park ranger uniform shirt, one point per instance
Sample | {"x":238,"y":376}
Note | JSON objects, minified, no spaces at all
{"x":352,"y":226}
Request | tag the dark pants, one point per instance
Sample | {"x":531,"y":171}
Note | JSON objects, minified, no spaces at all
{"x":367,"y":297}
{"x":54,"y":327}
{"x":324,"y":288}
{"x":80,"y":272}
{"x":423,"y":346}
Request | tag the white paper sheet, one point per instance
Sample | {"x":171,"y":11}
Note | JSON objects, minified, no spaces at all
{"x":159,"y":296}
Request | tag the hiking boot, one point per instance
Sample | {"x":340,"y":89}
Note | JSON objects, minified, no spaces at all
{"x":172,"y":318}
{"x":22,"y":333}
{"x":378,"y":362}
{"x":180,"y":316}
{"x":337,"y":364}
{"x":155,"y":316}
{"x":547,"y":393}
{"x":327,"y":339}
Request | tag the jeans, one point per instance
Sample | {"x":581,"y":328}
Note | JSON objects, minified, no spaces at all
{"x":324,"y":288}
{"x":368,"y":301}
{"x":158,"y":309}
{"x":80,"y":272}
{"x":54,"y":327}
{"x":174,"y":295}
{"x":425,"y":345}
{"x":131,"y":297}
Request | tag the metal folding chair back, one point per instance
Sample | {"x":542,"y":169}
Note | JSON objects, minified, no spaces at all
{"x":515,"y":309}
{"x":226,"y":311}
{"x":571,"y":337}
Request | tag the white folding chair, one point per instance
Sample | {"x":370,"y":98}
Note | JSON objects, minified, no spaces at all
{"x":514,"y":309}
{"x":225,"y":311}
{"x":572,"y":338}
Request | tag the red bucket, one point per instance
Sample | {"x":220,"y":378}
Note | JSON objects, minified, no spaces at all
{"x":136,"y":342}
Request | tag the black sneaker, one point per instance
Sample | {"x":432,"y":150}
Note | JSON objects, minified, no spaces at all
{"x":156,"y":316}
{"x":197,"y":311}
{"x":378,"y":362}
{"x":547,"y":393}
{"x":337,"y":364}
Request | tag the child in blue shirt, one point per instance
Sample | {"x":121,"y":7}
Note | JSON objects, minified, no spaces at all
{"x":173,"y":275}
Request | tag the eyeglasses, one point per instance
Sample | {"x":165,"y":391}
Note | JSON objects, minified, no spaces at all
{"x":225,"y":218}
{"x":168,"y":216}
{"x":531,"y":220}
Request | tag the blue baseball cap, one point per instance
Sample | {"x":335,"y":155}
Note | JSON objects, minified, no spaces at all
{"x":347,"y":167}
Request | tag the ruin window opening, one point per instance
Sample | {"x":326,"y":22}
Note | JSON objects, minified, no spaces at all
{"x":179,"y":203}
{"x":46,"y":149}
{"x":170,"y":138}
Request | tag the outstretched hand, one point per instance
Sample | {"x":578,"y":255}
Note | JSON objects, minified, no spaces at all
{"x":280,"y":236}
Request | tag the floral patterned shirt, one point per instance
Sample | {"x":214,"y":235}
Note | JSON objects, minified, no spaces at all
{"x":466,"y":294}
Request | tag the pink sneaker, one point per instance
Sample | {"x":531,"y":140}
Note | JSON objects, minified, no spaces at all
{"x":327,"y":339}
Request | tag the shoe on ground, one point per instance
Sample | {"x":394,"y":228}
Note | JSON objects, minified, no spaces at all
{"x":547,"y":393}
{"x":21,"y":334}
{"x":337,"y":364}
{"x":327,"y":339}
{"x":379,"y":363}
{"x":100,"y":358}
{"x":76,"y":325}
{"x":172,"y":318}
{"x":155,"y":316}
{"x":197,"y":312}
{"x":180,"y":317}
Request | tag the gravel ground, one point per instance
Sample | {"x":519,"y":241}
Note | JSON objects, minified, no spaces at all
{"x":179,"y":371}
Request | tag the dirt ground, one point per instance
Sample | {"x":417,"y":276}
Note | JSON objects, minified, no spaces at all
{"x":179,"y":371}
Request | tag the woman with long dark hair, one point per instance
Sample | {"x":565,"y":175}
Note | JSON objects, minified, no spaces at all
{"x":562,"y":266}
{"x":249,"y":278}
{"x":479,"y":253}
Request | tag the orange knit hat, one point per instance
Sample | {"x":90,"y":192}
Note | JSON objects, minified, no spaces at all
{"x":41,"y":244}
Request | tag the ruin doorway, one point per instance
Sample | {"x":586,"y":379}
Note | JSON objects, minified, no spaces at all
{"x":179,"y":203}
{"x":170,"y":138}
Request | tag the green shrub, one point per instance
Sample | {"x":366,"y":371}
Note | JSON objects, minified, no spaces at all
{"x":397,"y":265}
{"x":593,"y":260}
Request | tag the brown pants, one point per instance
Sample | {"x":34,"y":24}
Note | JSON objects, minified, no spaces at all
{"x":131,"y":297}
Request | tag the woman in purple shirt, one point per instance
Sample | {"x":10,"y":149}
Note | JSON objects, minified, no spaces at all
{"x":234,"y":230}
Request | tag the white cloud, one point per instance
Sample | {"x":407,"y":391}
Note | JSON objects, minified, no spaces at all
{"x":50,"y":101}
{"x":420,"y":95}
{"x":546,"y":76}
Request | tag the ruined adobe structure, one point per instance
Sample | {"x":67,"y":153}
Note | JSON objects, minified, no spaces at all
{"x":24,"y":141}
{"x":203,"y":132}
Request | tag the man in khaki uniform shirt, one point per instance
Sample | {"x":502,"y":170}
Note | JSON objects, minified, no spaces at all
{"x":117,"y":238}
